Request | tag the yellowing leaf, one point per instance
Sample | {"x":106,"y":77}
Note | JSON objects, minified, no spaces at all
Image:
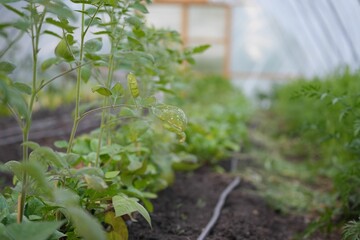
{"x":173,"y":117}
{"x":101,"y":90}
{"x":133,"y":85}
{"x":118,"y":230}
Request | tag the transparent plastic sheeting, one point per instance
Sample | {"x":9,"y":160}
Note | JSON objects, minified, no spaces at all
{"x":296,"y":37}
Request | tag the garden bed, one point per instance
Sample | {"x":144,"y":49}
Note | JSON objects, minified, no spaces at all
{"x":183,"y":210}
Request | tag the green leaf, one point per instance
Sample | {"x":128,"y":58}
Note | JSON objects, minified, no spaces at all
{"x":46,"y":155}
{"x":7,"y":67}
{"x":22,"y":87}
{"x":111,"y":174}
{"x":31,"y":230}
{"x":14,"y":10}
{"x":86,"y":225}
{"x":174,"y":119}
{"x":134,"y":21}
{"x":62,"y":50}
{"x":90,"y":171}
{"x":85,"y":73}
{"x":30,"y":144}
{"x":51,"y":33}
{"x":117,"y":89}
{"x":65,"y":197}
{"x":48,"y":63}
{"x":61,"y":144}
{"x":124,"y":205}
{"x":95,"y":182}
{"x":140,"y":7}
{"x":133,"y":85}
{"x":15,"y":168}
{"x":101,"y":90}
{"x":201,"y":48}
{"x":63,"y":24}
{"x":93,"y":45}
{"x":4,"y":208}
{"x":172,"y":115}
{"x":37,"y":172}
{"x":136,"y":44}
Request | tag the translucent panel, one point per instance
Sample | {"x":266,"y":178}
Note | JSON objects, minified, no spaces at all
{"x":206,"y":21}
{"x":165,"y":16}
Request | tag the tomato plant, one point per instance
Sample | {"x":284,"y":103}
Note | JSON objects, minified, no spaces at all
{"x":101,"y":176}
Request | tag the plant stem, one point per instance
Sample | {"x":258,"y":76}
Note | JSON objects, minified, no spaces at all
{"x":35,"y":37}
{"x":78,"y":82}
{"x":105,"y":112}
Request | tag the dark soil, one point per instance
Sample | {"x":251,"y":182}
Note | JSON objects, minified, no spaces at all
{"x":184,"y":209}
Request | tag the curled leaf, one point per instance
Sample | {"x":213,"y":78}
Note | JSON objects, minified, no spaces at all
{"x":133,"y":85}
{"x":102,"y":90}
{"x":174,"y":118}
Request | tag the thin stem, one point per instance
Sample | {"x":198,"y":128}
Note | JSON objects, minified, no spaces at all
{"x":78,"y":82}
{"x":35,"y":37}
{"x":105,"y":112}
{"x":44,"y":84}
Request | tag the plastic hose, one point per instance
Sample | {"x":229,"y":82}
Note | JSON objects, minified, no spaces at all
{"x":218,"y":208}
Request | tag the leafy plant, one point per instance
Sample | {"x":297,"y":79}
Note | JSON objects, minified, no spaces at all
{"x":101,"y":176}
{"x":323,"y":114}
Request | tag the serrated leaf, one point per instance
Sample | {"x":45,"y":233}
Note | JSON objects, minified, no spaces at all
{"x":7,"y":67}
{"x":124,"y":205}
{"x":95,"y":182}
{"x":101,"y":90}
{"x":93,"y":45}
{"x":201,"y":48}
{"x":118,"y":230}
{"x":133,"y":85}
{"x":32,"y":230}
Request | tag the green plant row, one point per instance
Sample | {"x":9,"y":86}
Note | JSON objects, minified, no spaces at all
{"x":324,"y":115}
{"x":88,"y":185}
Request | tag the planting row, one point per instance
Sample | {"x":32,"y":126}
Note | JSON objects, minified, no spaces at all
{"x":322,"y":117}
{"x":90,"y":185}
